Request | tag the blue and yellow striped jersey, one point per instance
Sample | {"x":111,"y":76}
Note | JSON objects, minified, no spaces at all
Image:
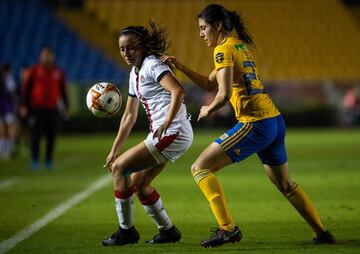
{"x":248,"y":98}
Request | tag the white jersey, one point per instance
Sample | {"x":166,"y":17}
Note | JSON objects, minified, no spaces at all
{"x":144,"y":84}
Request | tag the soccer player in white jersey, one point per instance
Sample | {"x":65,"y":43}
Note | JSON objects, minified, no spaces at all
{"x":152,"y":83}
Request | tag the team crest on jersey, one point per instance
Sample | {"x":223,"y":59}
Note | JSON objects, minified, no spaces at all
{"x":224,"y":136}
{"x":142,"y":79}
{"x":219,"y":57}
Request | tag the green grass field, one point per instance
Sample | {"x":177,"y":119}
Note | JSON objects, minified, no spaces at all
{"x":325,"y":162}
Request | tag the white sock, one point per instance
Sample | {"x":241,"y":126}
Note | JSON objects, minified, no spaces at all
{"x":158,"y":214}
{"x":124,"y":209}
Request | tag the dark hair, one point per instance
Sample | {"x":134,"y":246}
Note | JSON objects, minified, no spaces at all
{"x":230,"y":20}
{"x":156,"y":42}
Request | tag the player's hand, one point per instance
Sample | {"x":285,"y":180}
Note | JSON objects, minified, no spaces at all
{"x":170,"y":60}
{"x":109,"y":160}
{"x":204,"y":112}
{"x":161,"y":130}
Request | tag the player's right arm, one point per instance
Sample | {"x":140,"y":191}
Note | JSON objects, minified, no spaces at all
{"x":126,"y":124}
{"x":208,"y":83}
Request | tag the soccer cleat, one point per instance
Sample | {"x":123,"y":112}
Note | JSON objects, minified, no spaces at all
{"x":220,"y":237}
{"x":170,"y":235}
{"x":325,"y":237}
{"x":122,"y":237}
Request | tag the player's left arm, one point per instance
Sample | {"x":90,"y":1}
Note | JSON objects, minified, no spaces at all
{"x":223,"y":95}
{"x":171,"y":84}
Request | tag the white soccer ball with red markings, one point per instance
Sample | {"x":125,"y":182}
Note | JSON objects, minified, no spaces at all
{"x":103,"y":99}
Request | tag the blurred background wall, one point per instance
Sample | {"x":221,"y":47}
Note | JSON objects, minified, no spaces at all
{"x":307,"y":51}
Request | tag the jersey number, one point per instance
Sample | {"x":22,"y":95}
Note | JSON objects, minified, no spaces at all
{"x":249,"y":77}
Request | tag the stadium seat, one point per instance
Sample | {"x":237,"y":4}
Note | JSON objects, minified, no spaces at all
{"x":26,"y":26}
{"x":294,"y":39}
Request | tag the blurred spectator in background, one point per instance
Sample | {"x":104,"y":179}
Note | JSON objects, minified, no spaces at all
{"x":22,"y":133}
{"x":8,"y":102}
{"x":43,"y":89}
{"x":351,"y":106}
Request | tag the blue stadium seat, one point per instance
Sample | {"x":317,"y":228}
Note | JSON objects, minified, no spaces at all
{"x":26,"y":26}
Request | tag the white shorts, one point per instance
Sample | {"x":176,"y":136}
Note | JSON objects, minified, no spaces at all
{"x":173,"y":144}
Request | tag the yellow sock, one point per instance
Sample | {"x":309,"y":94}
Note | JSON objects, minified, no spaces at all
{"x":213,"y":192}
{"x":298,"y":198}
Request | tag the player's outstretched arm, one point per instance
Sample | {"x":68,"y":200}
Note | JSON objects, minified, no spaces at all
{"x":126,"y":124}
{"x":208,"y":83}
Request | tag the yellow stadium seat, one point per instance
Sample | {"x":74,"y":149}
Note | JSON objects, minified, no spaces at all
{"x":294,"y":39}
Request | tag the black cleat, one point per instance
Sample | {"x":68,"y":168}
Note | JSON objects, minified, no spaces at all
{"x":170,"y":235}
{"x":220,"y":237}
{"x":122,"y":237}
{"x":325,"y":237}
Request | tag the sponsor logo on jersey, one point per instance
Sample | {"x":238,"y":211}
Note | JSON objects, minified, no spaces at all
{"x":219,"y":57}
{"x":240,"y":46}
{"x":156,"y":65}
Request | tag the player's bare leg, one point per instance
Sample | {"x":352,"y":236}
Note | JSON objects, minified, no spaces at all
{"x":279,"y":175}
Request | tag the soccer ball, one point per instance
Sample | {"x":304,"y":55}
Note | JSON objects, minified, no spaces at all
{"x":103,"y":99}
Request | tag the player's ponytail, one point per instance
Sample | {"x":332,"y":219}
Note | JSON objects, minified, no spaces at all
{"x":239,"y":25}
{"x":155,"y":42}
{"x":230,"y":20}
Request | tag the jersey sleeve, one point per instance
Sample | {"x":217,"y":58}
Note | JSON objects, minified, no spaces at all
{"x":223,"y":57}
{"x":158,"y":69}
{"x":132,"y":84}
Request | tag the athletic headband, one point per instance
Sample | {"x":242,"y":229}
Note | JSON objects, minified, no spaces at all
{"x":132,"y":30}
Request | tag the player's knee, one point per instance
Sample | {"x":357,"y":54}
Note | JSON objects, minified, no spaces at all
{"x":195,"y":167}
{"x":144,"y":191}
{"x":137,"y":184}
{"x":117,"y":169}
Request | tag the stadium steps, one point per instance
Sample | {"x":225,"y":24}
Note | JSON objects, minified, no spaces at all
{"x":177,"y":16}
{"x":96,"y":33}
{"x":308,"y":39}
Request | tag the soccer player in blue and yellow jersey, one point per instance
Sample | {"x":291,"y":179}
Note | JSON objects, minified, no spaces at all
{"x":260,"y":128}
